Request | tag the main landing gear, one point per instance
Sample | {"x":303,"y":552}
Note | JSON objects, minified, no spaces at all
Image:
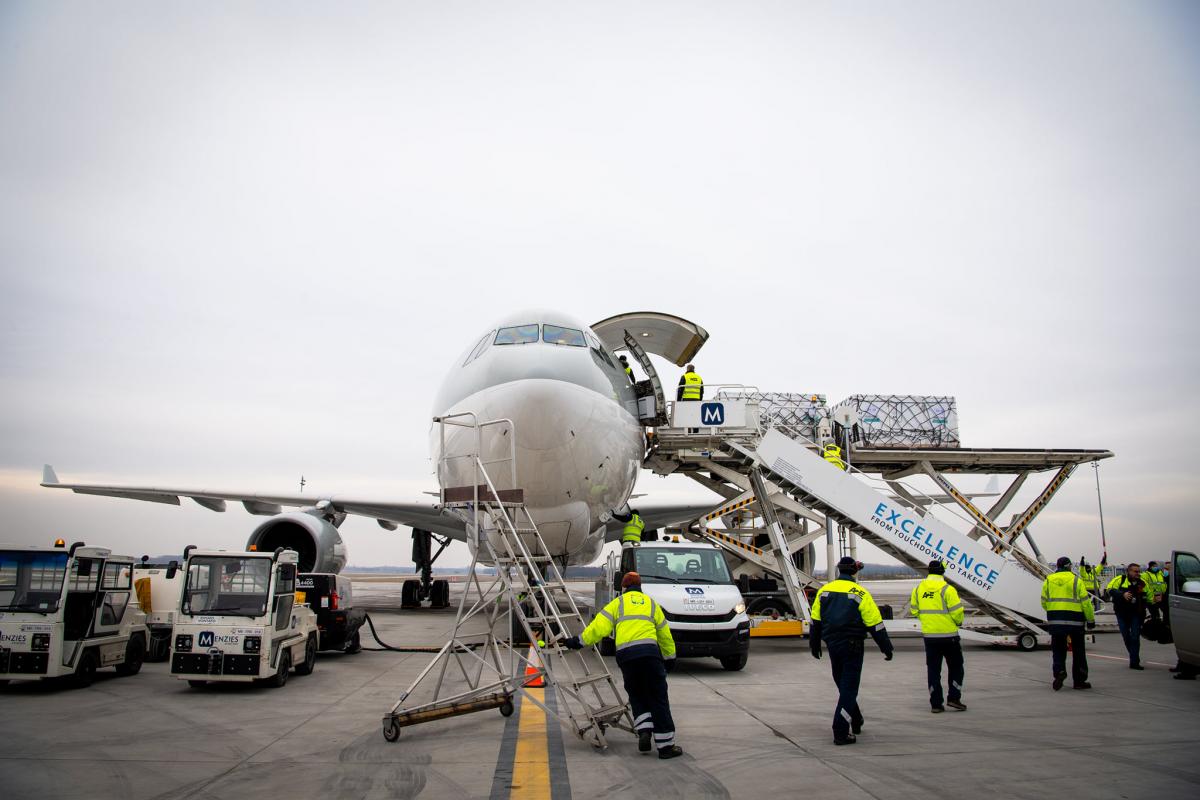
{"x":416,"y":590}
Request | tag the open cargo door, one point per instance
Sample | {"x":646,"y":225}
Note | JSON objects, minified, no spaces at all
{"x":674,"y":338}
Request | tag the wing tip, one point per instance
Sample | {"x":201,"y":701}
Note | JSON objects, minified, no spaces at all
{"x":49,"y":476}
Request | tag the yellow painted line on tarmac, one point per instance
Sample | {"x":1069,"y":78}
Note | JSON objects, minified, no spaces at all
{"x":531,"y":763}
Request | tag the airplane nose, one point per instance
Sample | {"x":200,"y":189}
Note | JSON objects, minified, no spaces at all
{"x":547,"y":414}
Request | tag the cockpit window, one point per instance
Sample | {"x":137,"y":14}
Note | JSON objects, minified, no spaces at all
{"x":520,"y":334}
{"x":599,"y":349}
{"x":552,"y":334}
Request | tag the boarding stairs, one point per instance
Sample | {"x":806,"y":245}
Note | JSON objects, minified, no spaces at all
{"x":527,"y":595}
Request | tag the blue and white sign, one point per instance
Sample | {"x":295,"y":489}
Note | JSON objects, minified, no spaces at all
{"x":694,"y":590}
{"x":713,"y":414}
{"x":205,"y":639}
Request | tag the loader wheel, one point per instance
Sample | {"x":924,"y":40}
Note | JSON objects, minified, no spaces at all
{"x":279,"y":679}
{"x":135,"y":654}
{"x":85,"y":670}
{"x":506,"y":710}
{"x":1027,"y":642}
{"x":310,"y":656}
{"x":391,"y":730}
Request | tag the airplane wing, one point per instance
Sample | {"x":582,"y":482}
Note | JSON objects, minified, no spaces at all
{"x":388,"y":513}
{"x":662,"y":516}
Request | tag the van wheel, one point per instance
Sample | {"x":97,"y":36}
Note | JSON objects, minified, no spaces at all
{"x":135,"y":654}
{"x":280,"y":677}
{"x":354,"y":645}
{"x":85,"y":670}
{"x":310,"y":656}
{"x":735,"y":662}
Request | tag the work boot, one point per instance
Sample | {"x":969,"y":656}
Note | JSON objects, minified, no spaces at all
{"x":938,"y":709}
{"x":847,"y":739}
{"x":957,"y":705}
{"x":1136,"y":666}
{"x":1058,"y":681}
{"x":674,"y":751}
{"x":1081,"y":685}
{"x":856,"y":728}
{"x":1184,"y":676}
{"x":643,"y":741}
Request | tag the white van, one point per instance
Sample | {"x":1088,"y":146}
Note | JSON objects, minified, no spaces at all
{"x":692,"y":583}
{"x":1184,"y":608}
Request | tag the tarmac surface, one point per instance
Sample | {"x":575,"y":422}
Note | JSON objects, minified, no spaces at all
{"x":756,"y":733}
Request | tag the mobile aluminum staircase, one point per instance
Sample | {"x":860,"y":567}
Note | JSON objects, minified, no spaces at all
{"x":527,"y":593}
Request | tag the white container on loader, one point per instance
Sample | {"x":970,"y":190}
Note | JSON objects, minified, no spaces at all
{"x":691,"y":582}
{"x":241,"y":619}
{"x":68,"y":612}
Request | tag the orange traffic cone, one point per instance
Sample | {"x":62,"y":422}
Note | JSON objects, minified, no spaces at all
{"x":537,"y":681}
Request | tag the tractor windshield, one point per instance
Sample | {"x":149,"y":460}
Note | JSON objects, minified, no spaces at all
{"x":228,"y":585}
{"x":31,"y":580}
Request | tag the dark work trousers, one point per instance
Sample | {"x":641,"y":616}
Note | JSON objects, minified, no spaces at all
{"x":646,"y":685}
{"x":846,"y":660}
{"x":950,"y":649}
{"x":1058,"y":650}
{"x":1131,"y":633}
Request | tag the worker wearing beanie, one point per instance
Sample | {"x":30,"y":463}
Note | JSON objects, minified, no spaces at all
{"x":936,"y":604}
{"x":1068,"y":609}
{"x":842,"y":615}
{"x":645,"y":651}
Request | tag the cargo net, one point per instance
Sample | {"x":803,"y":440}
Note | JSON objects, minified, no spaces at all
{"x":903,"y":421}
{"x":793,"y":413}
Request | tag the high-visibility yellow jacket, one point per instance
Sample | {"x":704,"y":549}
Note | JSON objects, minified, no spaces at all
{"x":937,"y":605}
{"x":1156,"y":585}
{"x":638,"y":625}
{"x":692,"y":387}
{"x":633,"y":529}
{"x":833,"y":454}
{"x":844,"y":611}
{"x":1066,"y":602}
{"x":1090,"y":576}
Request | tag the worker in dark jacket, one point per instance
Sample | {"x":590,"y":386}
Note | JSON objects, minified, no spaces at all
{"x":842,"y":616}
{"x":1127,"y":593}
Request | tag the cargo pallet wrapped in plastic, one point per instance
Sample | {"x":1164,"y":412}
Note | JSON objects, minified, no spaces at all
{"x":903,"y":421}
{"x":793,"y":413}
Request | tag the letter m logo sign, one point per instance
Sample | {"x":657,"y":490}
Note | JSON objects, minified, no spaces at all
{"x":712,"y":414}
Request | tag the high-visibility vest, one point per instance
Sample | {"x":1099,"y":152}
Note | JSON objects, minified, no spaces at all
{"x":1066,"y":601}
{"x":1090,"y":577}
{"x":633,"y":529}
{"x":629,"y":371}
{"x":633,"y":619}
{"x":1156,"y":585}
{"x":845,"y":610}
{"x":833,"y":454}
{"x":937,"y":605}
{"x":692,"y":384}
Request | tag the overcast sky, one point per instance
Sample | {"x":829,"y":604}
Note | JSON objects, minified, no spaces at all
{"x":243,"y":242}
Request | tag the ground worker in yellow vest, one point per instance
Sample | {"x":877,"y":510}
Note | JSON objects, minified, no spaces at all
{"x":833,"y":454}
{"x":1089,"y":575}
{"x":842,"y":616}
{"x":691,"y":386}
{"x":625,"y":366}
{"x":1156,"y":590}
{"x":1068,"y":609}
{"x":937,"y":605}
{"x":645,"y":649}
{"x":634,"y":526}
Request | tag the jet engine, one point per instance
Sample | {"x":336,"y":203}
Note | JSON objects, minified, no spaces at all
{"x":311,"y":532}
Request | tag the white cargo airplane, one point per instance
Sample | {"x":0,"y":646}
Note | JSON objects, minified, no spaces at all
{"x":579,"y":447}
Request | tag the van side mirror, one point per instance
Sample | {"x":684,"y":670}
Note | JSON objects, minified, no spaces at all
{"x":1190,"y":587}
{"x":617,"y":581}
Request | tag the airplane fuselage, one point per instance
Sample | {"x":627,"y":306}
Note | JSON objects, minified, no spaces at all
{"x":579,"y":444}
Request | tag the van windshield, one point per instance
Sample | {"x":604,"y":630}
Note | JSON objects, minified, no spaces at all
{"x":31,"y":580}
{"x":227,"y":585}
{"x":680,"y":565}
